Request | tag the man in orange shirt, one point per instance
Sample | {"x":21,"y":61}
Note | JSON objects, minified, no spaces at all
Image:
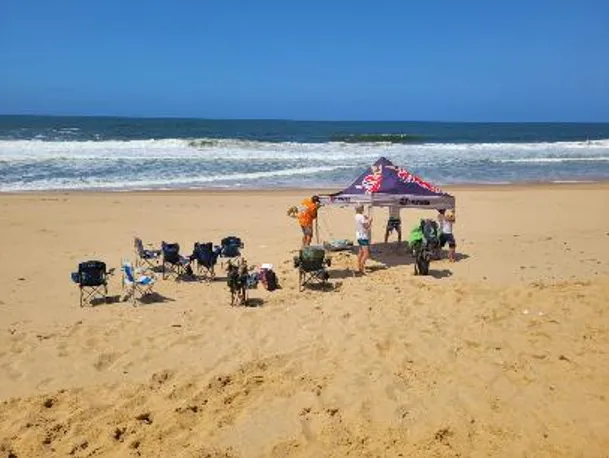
{"x":306,"y":216}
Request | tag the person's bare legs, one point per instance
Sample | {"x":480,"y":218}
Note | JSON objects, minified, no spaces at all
{"x":364,"y":255}
{"x":386,"y":235}
{"x":451,"y":254}
{"x":307,"y":237}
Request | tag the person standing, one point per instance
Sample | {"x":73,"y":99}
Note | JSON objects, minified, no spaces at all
{"x":306,"y":217}
{"x":446,"y":220}
{"x":362,"y":233}
{"x":394,"y":223}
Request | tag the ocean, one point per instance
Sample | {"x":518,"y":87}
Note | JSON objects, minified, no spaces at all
{"x":39,"y":153}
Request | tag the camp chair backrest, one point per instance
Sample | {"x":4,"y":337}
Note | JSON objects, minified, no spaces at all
{"x":128,"y":269}
{"x":231,"y":240}
{"x":139,"y":247}
{"x":171,"y":252}
{"x":312,"y":258}
{"x":313,"y":253}
{"x":92,"y":273}
{"x":204,"y":253}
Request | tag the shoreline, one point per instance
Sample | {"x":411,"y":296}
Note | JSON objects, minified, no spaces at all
{"x":291,"y":190}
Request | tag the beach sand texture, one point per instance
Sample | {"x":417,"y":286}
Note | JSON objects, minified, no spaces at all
{"x":503,"y":353}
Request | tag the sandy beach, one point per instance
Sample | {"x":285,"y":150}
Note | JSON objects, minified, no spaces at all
{"x":503,"y":353}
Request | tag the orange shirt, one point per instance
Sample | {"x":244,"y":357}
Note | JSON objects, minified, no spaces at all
{"x":308,"y":212}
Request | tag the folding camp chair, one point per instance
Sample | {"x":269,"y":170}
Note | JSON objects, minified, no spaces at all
{"x":92,"y":280}
{"x":230,"y":247}
{"x":206,"y":256}
{"x":135,"y":282}
{"x":174,"y":263}
{"x":311,"y":263}
{"x":146,"y":257}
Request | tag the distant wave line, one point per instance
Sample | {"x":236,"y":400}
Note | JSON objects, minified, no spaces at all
{"x":169,"y":181}
{"x":553,"y":160}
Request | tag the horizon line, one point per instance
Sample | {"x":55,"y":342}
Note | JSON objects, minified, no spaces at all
{"x":194,"y":118}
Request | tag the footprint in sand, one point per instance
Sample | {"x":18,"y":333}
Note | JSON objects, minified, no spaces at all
{"x":105,"y":360}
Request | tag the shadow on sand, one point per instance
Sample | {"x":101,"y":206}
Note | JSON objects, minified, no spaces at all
{"x":393,"y":254}
{"x":253,"y":302}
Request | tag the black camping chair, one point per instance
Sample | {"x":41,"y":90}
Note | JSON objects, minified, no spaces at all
{"x":230,"y":247}
{"x":92,"y":280}
{"x":311,"y":263}
{"x":149,"y":258}
{"x":206,"y":257}
{"x":174,"y":263}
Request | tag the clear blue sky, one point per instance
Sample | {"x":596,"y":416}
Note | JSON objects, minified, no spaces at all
{"x":516,"y":60}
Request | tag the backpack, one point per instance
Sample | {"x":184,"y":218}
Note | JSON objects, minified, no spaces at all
{"x":430,"y":231}
{"x":270,"y":280}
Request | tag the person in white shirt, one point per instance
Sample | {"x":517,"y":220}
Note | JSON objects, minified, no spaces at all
{"x":446,"y":220}
{"x":362,"y":234}
{"x":394,"y":223}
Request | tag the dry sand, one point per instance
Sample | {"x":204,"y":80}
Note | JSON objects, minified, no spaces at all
{"x":504,"y":353}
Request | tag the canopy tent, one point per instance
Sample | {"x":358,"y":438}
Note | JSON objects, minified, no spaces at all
{"x":386,"y":184}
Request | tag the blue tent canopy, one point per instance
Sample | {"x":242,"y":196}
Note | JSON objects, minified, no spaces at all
{"x":385,"y":184}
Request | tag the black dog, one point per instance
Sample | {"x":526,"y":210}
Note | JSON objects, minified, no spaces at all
{"x":236,"y":280}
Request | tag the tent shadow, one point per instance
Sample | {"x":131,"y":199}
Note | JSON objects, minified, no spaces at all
{"x":391,"y":254}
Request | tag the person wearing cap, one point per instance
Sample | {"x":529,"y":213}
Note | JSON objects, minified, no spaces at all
{"x":306,"y":217}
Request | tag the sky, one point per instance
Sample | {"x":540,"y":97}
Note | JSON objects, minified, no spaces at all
{"x":517,"y":60}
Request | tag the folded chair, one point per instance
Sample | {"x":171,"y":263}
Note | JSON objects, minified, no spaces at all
{"x":174,"y":263}
{"x":92,"y":280}
{"x":135,"y":283}
{"x":206,"y":257}
{"x":146,"y":257}
{"x":311,"y":263}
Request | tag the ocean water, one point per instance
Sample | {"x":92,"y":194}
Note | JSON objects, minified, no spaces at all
{"x":104,"y":153}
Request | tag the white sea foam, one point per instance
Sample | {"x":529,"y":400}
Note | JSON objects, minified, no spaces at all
{"x":114,"y":164}
{"x":158,"y":183}
{"x":19,"y":150}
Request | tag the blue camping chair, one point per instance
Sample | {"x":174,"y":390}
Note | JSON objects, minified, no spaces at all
{"x":230,"y":247}
{"x":206,"y":256}
{"x":174,"y":263}
{"x":146,"y":257}
{"x":135,"y":282}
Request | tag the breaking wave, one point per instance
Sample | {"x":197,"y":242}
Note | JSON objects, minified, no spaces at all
{"x":206,"y":162}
